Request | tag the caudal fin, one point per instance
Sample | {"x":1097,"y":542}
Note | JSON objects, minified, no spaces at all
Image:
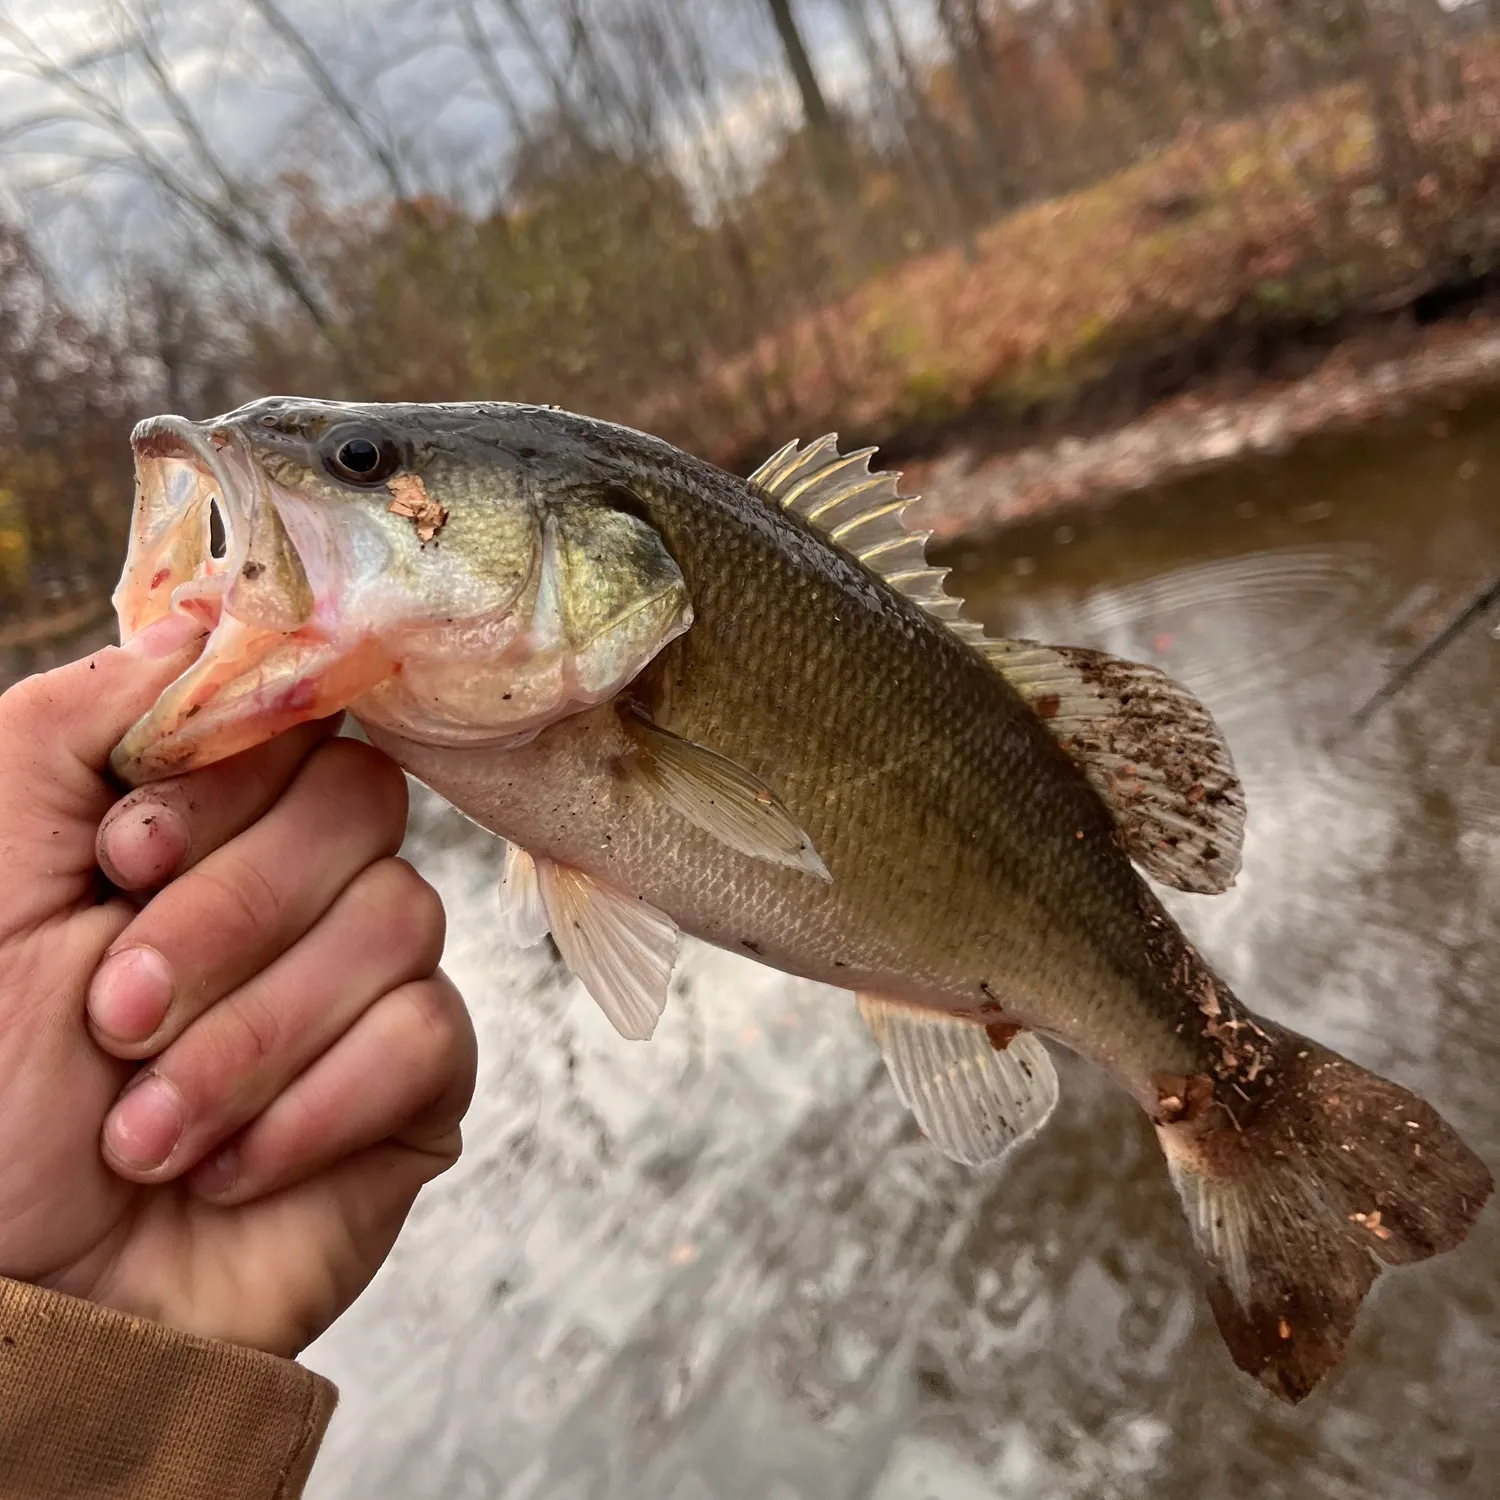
{"x":1300,"y":1198}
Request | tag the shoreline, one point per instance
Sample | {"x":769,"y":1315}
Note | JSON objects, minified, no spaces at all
{"x":969,"y":496}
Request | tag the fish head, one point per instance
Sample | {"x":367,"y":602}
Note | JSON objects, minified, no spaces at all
{"x":423,"y":567}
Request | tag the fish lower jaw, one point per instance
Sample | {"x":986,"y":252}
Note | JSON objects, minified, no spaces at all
{"x":249,"y":685}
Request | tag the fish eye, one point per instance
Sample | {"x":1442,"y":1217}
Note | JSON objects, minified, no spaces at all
{"x":359,"y":456}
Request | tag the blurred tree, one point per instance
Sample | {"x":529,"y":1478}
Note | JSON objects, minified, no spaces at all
{"x":64,"y":392}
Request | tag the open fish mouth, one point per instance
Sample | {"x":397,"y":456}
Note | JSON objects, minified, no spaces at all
{"x":207,"y":540}
{"x":188,"y":510}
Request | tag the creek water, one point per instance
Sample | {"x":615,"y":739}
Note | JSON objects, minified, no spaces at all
{"x":725,"y":1265}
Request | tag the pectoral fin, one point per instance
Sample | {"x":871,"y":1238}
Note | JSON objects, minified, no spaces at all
{"x":621,"y":949}
{"x":975,"y":1091}
{"x":1148,"y":747}
{"x":721,"y":798}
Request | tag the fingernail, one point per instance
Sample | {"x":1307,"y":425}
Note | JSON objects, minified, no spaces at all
{"x":217,"y":1175}
{"x":144,"y":845}
{"x":164,"y":636}
{"x":146,"y":1124}
{"x":130,"y":993}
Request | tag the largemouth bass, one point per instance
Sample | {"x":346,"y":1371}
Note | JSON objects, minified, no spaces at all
{"x":749,"y":711}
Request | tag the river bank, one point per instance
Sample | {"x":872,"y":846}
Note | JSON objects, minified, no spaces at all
{"x":968,"y":494}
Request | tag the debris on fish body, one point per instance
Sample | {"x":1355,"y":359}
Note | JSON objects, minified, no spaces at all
{"x":749,"y":711}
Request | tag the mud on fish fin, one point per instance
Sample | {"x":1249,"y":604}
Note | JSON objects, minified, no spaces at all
{"x":1148,"y":747}
{"x":976,"y":1092}
{"x":523,"y":913}
{"x":720,"y":797}
{"x":1297,"y":1207}
{"x":620,"y":949}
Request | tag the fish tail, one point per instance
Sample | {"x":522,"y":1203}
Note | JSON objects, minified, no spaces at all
{"x":1302,"y":1179}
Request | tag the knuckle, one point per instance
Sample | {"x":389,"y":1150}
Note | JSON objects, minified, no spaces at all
{"x":27,"y":706}
{"x":364,"y":784}
{"x":258,"y":1032}
{"x":433,"y":1017}
{"x":236,"y":1040}
{"x":443,"y":1035}
{"x":44,"y":701}
{"x":399,"y":905}
{"x":242,"y":903}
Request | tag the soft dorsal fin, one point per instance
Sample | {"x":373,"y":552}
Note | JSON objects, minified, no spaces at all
{"x":1148,"y":747}
{"x":862,"y":512}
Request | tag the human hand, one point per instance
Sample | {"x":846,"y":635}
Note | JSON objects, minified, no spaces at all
{"x":295,"y":1063}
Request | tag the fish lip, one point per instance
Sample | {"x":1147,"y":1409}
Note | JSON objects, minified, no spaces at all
{"x":162,"y":740}
{"x":169,"y":436}
{"x":164,"y":553}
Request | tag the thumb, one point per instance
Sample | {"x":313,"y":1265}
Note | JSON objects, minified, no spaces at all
{"x":68,"y":720}
{"x":56,"y":732}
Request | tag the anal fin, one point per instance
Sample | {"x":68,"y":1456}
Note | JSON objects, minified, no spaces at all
{"x":975,"y":1095}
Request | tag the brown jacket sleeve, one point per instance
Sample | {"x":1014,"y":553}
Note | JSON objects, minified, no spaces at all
{"x":96,"y":1403}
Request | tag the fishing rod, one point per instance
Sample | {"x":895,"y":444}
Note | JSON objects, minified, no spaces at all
{"x":1449,"y":633}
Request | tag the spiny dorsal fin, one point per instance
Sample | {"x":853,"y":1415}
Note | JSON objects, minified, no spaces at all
{"x":861,"y":511}
{"x":1148,"y":747}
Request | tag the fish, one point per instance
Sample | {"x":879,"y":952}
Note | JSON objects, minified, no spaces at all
{"x":750,"y":711}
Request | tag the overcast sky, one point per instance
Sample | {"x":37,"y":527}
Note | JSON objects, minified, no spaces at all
{"x":403,"y":60}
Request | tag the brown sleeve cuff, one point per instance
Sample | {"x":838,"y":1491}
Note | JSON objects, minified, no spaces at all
{"x":98,"y":1403}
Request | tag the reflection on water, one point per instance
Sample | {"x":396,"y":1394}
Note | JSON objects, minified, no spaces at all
{"x":724,"y":1265}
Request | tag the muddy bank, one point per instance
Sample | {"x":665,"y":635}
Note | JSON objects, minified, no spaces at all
{"x":968,"y":494}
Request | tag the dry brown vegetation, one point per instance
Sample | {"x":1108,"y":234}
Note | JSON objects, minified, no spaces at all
{"x":1214,"y":250}
{"x":1062,"y":201}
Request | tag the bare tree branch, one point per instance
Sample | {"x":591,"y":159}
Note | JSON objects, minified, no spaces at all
{"x":483,"y":52}
{"x":234,"y":217}
{"x":376,"y":145}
